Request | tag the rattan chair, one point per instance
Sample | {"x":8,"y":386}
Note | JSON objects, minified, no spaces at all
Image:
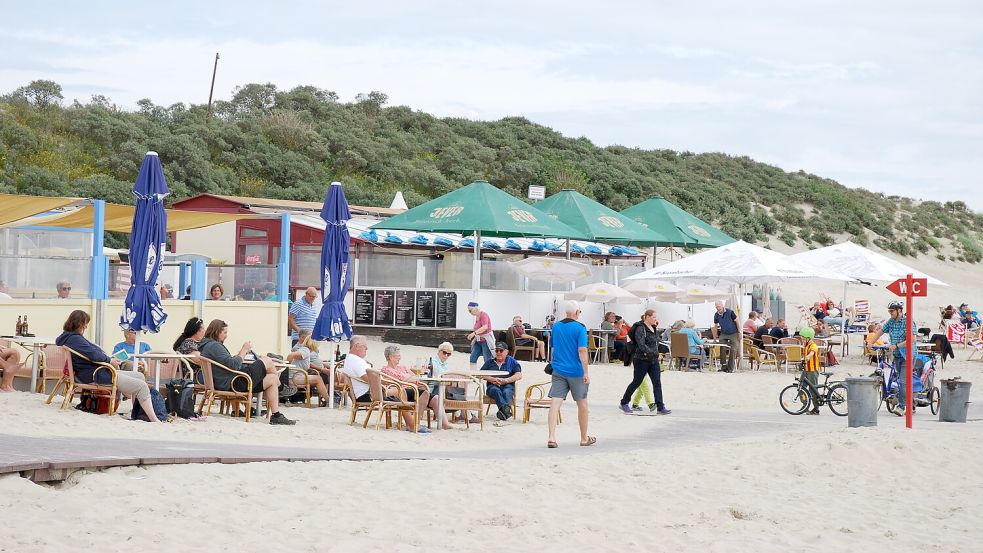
{"x":537,"y":397}
{"x":515,"y":349}
{"x":229,"y":400}
{"x":62,"y":356}
{"x":680,"y":353}
{"x":387,"y":404}
{"x":475,"y":403}
{"x":349,"y":392}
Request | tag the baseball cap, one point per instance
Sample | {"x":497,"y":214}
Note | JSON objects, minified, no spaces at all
{"x":472,"y":304}
{"x":501,"y":345}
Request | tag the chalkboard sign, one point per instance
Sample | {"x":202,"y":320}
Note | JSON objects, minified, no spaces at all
{"x":384,"y":307}
{"x":447,"y":309}
{"x":364,"y":307}
{"x":405,"y":307}
{"x":426,"y":306}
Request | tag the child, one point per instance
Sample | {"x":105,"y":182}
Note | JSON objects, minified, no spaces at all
{"x":810,"y":363}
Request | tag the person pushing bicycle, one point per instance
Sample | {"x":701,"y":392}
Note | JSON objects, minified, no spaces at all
{"x":810,"y":363}
{"x":896,"y":329}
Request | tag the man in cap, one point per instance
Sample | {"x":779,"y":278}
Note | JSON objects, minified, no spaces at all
{"x":502,"y":388}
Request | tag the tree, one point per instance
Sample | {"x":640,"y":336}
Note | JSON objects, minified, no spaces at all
{"x":42,"y":94}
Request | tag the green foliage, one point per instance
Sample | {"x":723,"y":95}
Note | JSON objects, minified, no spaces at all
{"x":291,"y":144}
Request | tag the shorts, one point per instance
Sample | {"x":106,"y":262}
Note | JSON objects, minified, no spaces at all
{"x":574,"y":385}
{"x":523,"y":342}
{"x":364,"y":398}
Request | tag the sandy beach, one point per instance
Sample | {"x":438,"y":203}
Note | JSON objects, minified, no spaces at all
{"x":727,"y":471}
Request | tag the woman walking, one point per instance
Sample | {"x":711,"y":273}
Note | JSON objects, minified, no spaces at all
{"x":645,"y":361}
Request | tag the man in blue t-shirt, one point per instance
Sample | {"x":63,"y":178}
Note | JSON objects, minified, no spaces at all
{"x":569,"y":342}
{"x":128,"y":345}
{"x":726,"y":329}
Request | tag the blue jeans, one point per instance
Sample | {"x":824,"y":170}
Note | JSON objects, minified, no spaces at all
{"x":480,"y":349}
{"x":899,"y":369}
{"x":501,"y":394}
{"x":645,"y":367}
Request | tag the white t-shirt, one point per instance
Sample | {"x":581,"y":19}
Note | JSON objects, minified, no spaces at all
{"x":356,"y":366}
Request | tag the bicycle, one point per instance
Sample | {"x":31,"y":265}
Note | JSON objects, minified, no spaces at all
{"x":797,"y":398}
{"x":926,"y":395}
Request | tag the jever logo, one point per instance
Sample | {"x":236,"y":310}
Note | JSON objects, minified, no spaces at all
{"x":699,"y":231}
{"x":444,"y":212}
{"x":610,"y":221}
{"x":522,"y":216}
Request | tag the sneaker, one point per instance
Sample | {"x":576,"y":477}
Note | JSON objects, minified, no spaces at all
{"x":626,"y":409}
{"x":653,"y":407}
{"x":813,"y":412}
{"x":501,"y":415}
{"x":635,"y":408}
{"x":279,"y":418}
{"x":664,"y":411}
{"x":508,"y":412}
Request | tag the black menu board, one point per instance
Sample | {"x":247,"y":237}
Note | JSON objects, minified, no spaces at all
{"x":426,"y":305}
{"x":447,"y":309}
{"x":364,"y":306}
{"x":384,"y":306}
{"x":404,"y":307}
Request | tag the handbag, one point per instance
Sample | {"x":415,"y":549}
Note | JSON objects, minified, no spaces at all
{"x":455,"y":393}
{"x":548,"y":369}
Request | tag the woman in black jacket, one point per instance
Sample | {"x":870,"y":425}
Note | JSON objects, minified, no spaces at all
{"x":645,"y":360}
{"x":261,"y":370}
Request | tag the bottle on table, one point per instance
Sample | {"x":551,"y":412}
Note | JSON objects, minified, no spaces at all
{"x":25,"y":330}
{"x":20,"y":326}
{"x":337,"y":352}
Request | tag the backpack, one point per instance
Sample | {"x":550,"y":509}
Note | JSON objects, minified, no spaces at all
{"x":160,"y":407}
{"x":90,"y":403}
{"x":630,"y":345}
{"x":180,"y":398}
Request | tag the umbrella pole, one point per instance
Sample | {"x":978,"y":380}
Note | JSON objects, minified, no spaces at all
{"x":477,"y":245}
{"x":568,"y":248}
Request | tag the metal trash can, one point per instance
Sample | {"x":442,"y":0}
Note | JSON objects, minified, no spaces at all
{"x":862,"y":401}
{"x":954,"y":403}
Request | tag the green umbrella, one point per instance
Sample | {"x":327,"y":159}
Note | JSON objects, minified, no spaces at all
{"x":681,"y":227}
{"x":482,"y":209}
{"x":597,"y":221}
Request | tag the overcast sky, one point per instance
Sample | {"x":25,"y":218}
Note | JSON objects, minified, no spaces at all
{"x":881,"y":95}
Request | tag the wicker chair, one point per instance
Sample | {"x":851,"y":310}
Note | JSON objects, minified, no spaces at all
{"x":62,"y":356}
{"x":537,"y":397}
{"x":516,"y":350}
{"x":349,"y":392}
{"x":475,"y":403}
{"x":680,"y":353}
{"x":761,"y":357}
{"x":378,"y":384}
{"x":229,"y":400}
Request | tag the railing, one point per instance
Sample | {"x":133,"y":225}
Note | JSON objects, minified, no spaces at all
{"x":36,"y":276}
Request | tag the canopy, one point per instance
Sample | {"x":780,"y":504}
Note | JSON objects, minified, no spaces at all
{"x":858,"y":262}
{"x":662,"y":291}
{"x":736,"y":263}
{"x":601,"y":292}
{"x":142,"y":310}
{"x":696,"y":293}
{"x":119,"y":218}
{"x":551,"y":269}
{"x":14,"y":207}
{"x":597,"y":221}
{"x":479,"y":208}
{"x":680,"y":227}
{"x":336,"y":270}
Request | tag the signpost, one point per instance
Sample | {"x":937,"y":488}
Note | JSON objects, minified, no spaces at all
{"x":908,"y":288}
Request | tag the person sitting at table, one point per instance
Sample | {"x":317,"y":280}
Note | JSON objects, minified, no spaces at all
{"x":414,"y":391}
{"x":780,"y":330}
{"x":764,"y":329}
{"x":305,"y":355}
{"x":9,"y":362}
{"x":355,"y":366}
{"x":84,"y":364}
{"x":750,"y":325}
{"x":834,"y":316}
{"x":438,"y":367}
{"x":261,"y":370}
{"x":971,"y":321}
{"x":874,"y":329}
{"x":693,"y":338}
{"x":188,"y":342}
{"x":128,"y":345}
{"x":621,"y":337}
{"x":523,"y":338}
{"x":502,"y":389}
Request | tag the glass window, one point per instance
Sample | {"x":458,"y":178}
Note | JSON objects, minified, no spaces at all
{"x":246,"y":232}
{"x":451,"y":272}
{"x":305,"y":266}
{"x":386,"y":270}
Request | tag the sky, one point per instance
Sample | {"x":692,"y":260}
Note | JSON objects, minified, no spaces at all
{"x":883,"y":95}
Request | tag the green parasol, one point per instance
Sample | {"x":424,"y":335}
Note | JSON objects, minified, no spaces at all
{"x":681,"y":227}
{"x":596,"y":221}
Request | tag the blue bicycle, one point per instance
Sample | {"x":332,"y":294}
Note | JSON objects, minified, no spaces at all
{"x":925,"y":392}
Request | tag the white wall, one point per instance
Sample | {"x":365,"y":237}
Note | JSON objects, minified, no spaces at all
{"x":217,"y":242}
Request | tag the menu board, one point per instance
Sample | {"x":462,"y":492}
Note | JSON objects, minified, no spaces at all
{"x":405,"y":306}
{"x":384,"y":307}
{"x":447,"y":309}
{"x":426,"y":305}
{"x":364,"y":307}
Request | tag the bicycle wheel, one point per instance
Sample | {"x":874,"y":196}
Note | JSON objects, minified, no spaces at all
{"x":836,"y":399}
{"x":933,"y":400}
{"x":794,"y":400}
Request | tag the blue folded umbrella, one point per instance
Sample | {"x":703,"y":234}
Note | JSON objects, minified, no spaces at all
{"x":615,"y":250}
{"x":370,"y":235}
{"x":393,"y":239}
{"x":512,"y":245}
{"x":537,"y":246}
{"x":490,"y":244}
{"x":577,"y":248}
{"x":552,"y":247}
{"x":629,"y":251}
{"x":466,"y":243}
{"x":441,"y":241}
{"x":419,"y":239}
{"x":591,"y":248}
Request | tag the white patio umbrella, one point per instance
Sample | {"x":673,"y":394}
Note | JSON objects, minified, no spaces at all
{"x":856,"y":261}
{"x":658,"y":289}
{"x":601,"y":292}
{"x":551,"y":269}
{"x":697,"y":293}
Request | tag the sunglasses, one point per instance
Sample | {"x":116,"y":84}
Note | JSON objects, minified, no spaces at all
{"x":499,"y":349}
{"x":65,"y":288}
{"x":445,"y":353}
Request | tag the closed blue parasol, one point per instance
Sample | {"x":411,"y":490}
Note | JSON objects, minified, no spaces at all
{"x":142,"y":309}
{"x":336,"y":273}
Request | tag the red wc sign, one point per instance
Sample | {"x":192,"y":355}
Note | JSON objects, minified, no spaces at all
{"x":918,"y":288}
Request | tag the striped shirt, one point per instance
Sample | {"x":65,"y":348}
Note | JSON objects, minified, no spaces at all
{"x":305,"y":315}
{"x":812,"y":363}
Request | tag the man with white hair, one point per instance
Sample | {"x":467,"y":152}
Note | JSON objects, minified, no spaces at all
{"x":569,"y":366}
{"x":356,"y":365}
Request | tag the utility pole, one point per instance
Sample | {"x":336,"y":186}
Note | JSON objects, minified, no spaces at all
{"x":212,"y":90}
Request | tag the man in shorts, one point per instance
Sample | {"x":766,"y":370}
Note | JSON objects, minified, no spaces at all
{"x":569,"y":372}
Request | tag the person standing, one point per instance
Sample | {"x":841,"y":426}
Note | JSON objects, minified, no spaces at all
{"x":570,"y":375}
{"x":726,"y":329}
{"x":482,"y":339}
{"x":810,"y":364}
{"x":645,"y":361}
{"x":302,"y":314}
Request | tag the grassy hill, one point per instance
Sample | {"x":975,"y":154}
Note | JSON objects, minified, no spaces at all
{"x":290,"y":144}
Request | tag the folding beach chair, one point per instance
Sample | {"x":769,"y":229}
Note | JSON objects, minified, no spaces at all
{"x":861,"y":311}
{"x":977,"y":345}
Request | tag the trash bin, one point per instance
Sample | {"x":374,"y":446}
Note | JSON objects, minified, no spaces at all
{"x":954,"y":402}
{"x":862,"y":401}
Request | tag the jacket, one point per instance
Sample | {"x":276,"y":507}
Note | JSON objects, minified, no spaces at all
{"x":646,"y":343}
{"x":216,"y":351}
{"x":82,"y":367}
